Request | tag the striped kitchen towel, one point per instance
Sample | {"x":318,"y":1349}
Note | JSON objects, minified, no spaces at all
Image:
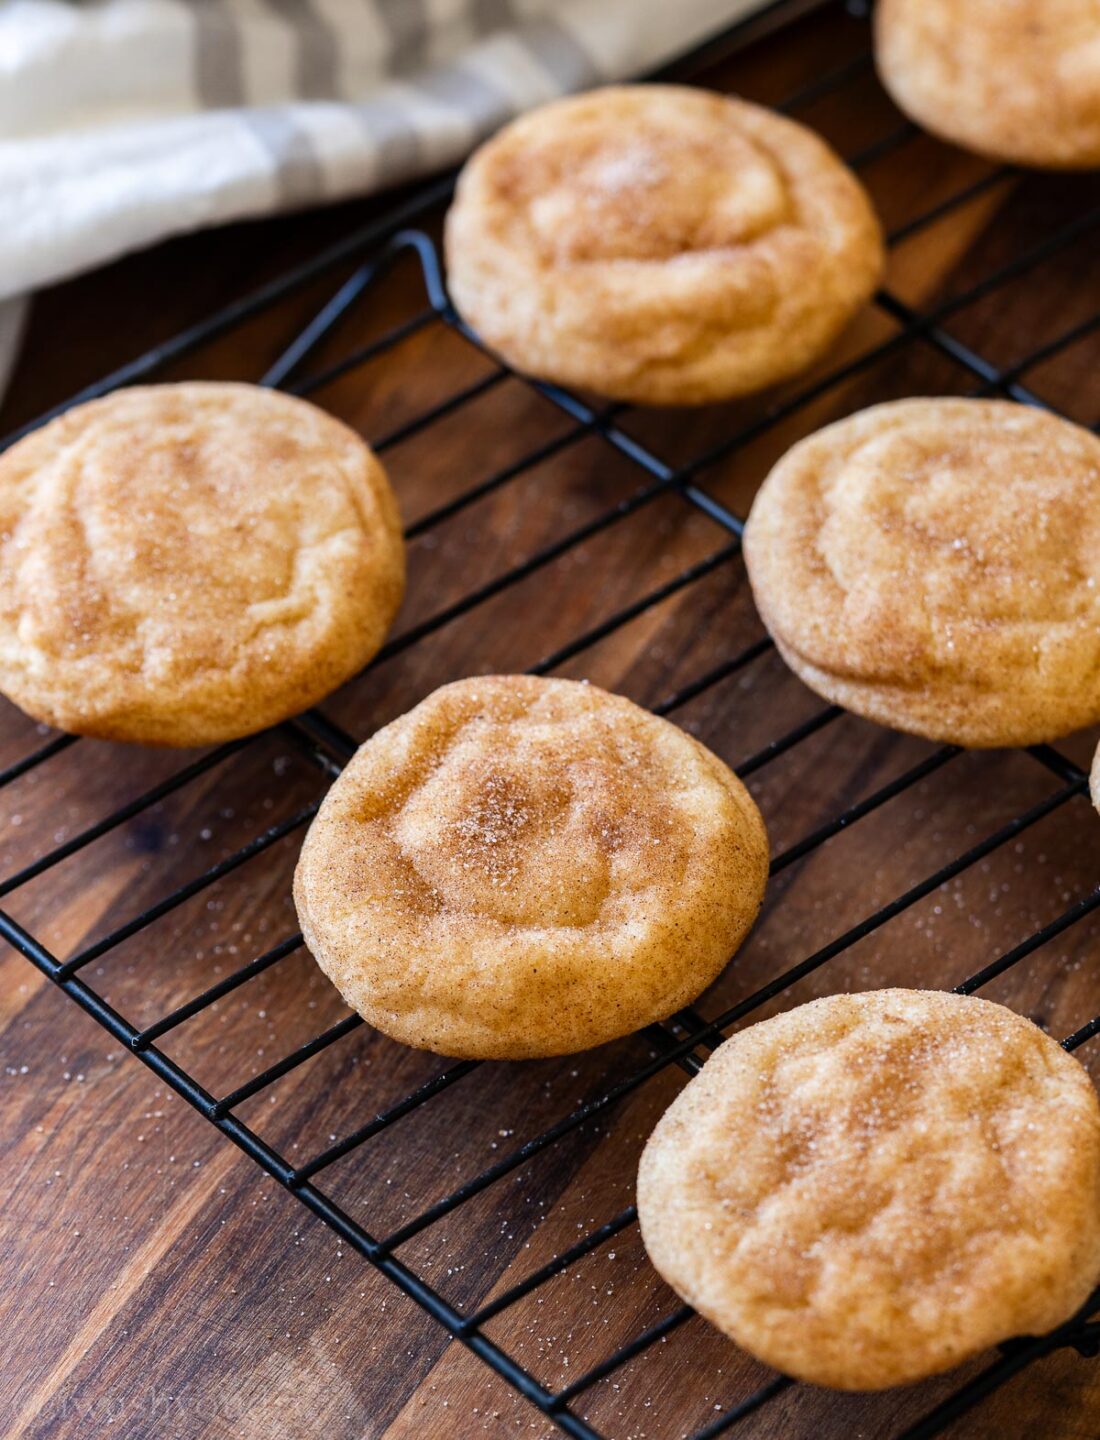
{"x":125,"y":121}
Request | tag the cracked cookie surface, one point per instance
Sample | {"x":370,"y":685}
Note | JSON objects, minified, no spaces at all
{"x":659,"y":244}
{"x":869,"y":1189}
{"x":523,"y":867}
{"x":934,"y":565}
{"x":184,"y":564}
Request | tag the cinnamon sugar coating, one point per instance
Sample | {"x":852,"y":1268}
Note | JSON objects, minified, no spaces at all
{"x":659,"y":244}
{"x":1016,"y":80}
{"x":870,"y":1189}
{"x":184,"y":564}
{"x":934,"y":564}
{"x":523,"y":867}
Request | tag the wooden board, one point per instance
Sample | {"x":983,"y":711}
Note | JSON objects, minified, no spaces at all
{"x":154,"y":1284}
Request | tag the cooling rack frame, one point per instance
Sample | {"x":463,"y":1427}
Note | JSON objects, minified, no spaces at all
{"x":685,"y":1039}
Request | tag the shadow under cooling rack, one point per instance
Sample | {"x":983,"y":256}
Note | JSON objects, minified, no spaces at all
{"x":684,"y":1040}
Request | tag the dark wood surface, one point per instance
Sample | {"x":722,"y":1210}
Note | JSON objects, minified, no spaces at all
{"x":154,"y":1284}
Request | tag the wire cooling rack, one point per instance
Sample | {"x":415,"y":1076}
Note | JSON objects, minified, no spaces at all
{"x":683,"y":1041}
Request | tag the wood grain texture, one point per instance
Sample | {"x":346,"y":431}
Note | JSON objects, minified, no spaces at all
{"x":154,"y":1284}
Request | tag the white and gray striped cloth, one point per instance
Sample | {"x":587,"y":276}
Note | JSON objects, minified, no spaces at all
{"x":125,"y":121}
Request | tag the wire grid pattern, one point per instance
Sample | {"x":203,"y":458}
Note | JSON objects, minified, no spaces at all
{"x":685,"y":1039}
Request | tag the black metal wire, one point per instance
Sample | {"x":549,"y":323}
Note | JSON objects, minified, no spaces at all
{"x":378,"y":248}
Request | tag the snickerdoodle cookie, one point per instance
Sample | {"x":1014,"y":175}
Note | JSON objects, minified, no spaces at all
{"x":872,"y":1188}
{"x":523,"y":867}
{"x":182,"y":564}
{"x":935,"y":565}
{"x":1017,"y":80}
{"x":659,"y":244}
